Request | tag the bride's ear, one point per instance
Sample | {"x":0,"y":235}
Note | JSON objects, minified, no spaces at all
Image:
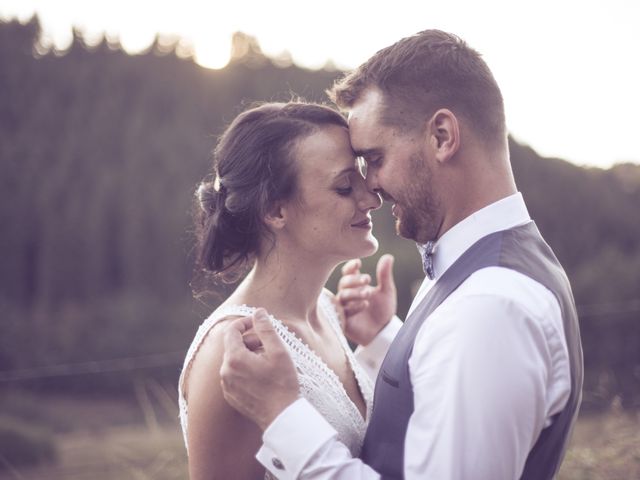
{"x":276,"y":217}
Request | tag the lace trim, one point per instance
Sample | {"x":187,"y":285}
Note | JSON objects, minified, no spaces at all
{"x":318,"y":382}
{"x":362,"y":378}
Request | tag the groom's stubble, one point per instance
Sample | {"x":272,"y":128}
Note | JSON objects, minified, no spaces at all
{"x":419,"y":217}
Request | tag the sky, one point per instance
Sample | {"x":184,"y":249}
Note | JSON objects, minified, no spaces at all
{"x":569,"y":70}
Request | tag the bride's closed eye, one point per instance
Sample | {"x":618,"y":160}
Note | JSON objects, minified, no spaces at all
{"x":344,"y":191}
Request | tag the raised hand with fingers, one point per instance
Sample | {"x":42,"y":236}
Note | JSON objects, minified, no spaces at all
{"x":259,"y":383}
{"x":366,"y":309}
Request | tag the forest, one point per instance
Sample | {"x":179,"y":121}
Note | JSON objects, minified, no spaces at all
{"x":100,"y":155}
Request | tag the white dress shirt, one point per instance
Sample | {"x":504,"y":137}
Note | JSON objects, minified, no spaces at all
{"x":489,"y":370}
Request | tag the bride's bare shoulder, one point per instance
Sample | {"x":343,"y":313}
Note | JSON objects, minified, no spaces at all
{"x":221,"y":442}
{"x":207,"y":358}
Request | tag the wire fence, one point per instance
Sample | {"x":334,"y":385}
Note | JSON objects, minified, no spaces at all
{"x":175,"y":358}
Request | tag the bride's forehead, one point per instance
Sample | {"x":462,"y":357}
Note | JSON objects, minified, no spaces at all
{"x":325,"y":153}
{"x":327,"y":166}
{"x":330,"y":136}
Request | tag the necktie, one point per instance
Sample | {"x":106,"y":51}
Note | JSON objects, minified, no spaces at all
{"x":426,"y":252}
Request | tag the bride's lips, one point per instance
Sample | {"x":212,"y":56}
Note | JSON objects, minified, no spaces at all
{"x":366,"y":224}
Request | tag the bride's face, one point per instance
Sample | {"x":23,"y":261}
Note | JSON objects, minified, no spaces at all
{"x":331,"y":214}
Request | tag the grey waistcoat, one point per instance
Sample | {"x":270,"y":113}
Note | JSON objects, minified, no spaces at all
{"x":521,"y":249}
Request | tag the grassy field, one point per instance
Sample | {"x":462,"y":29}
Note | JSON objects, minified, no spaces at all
{"x":604,"y":447}
{"x":117,"y":440}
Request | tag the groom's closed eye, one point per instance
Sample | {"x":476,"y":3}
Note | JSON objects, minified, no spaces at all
{"x":372,"y":156}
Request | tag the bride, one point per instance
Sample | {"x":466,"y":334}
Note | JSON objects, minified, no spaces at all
{"x":289,"y":203}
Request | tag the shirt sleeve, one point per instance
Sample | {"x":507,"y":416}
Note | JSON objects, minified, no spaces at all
{"x":482,"y":372}
{"x":310,"y":453}
{"x":370,"y":357}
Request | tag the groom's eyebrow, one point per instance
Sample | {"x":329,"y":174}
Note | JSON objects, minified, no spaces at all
{"x":368,"y":152}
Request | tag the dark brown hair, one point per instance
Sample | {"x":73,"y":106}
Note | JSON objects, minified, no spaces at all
{"x":422,"y":73}
{"x":254,"y":167}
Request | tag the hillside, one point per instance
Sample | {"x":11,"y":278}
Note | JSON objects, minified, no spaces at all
{"x":100,"y":153}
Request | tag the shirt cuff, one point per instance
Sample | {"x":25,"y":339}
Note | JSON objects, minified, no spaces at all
{"x":371,"y":356}
{"x":293,"y":438}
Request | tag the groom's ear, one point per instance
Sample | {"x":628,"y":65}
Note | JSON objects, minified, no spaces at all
{"x":276,"y":217}
{"x":443,"y":130}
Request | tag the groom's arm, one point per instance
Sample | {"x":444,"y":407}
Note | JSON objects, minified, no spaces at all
{"x":489,"y":371}
{"x":488,"y":374}
{"x":263,"y":386}
{"x":301,"y":444}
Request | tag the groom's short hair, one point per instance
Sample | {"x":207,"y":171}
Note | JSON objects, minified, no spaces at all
{"x":425,"y":72}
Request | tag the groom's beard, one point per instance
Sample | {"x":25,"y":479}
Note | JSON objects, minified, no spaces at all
{"x":418,"y":217}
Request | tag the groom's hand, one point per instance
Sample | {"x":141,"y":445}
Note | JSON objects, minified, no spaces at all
{"x":259,"y":384}
{"x":367,"y":309}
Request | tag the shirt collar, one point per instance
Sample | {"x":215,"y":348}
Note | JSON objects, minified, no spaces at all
{"x":506,"y":213}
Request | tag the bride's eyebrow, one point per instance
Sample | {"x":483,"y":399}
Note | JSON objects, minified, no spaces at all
{"x":342,"y":173}
{"x":345,"y":171}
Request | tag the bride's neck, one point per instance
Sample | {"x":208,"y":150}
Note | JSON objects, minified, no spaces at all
{"x":287,"y":286}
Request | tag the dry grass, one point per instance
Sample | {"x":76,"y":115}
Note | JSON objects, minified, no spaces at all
{"x":604,"y":447}
{"x":116,"y":453}
{"x":113,"y":439}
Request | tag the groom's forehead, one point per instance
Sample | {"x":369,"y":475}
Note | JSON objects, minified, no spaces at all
{"x":362,"y":131}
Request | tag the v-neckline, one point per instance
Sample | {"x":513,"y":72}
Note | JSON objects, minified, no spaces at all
{"x":317,"y":358}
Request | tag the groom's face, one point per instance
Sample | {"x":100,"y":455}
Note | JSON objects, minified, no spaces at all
{"x":398,"y":167}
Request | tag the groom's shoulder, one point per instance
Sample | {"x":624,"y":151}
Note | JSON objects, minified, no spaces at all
{"x":511,"y":287}
{"x":496,"y":299}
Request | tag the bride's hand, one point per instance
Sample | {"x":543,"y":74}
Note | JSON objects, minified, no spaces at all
{"x":366,"y":309}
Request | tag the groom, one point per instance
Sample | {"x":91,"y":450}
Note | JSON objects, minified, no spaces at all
{"x":483,"y":380}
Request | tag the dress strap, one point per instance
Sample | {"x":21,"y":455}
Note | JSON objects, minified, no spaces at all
{"x":204,"y":329}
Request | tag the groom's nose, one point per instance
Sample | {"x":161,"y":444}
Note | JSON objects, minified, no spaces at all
{"x":372,"y":180}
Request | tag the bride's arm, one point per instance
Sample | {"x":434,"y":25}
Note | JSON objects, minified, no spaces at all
{"x":222,"y":443}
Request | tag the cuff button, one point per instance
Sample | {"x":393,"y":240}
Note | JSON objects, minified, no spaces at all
{"x":277,"y":463}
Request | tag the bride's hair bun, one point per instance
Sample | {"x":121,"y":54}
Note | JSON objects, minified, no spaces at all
{"x":254,"y":167}
{"x":208,"y":195}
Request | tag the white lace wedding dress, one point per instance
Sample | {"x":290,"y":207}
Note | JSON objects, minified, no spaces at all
{"x":318,"y":383}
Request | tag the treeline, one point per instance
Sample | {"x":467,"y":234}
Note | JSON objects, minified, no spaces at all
{"x":100,"y":153}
